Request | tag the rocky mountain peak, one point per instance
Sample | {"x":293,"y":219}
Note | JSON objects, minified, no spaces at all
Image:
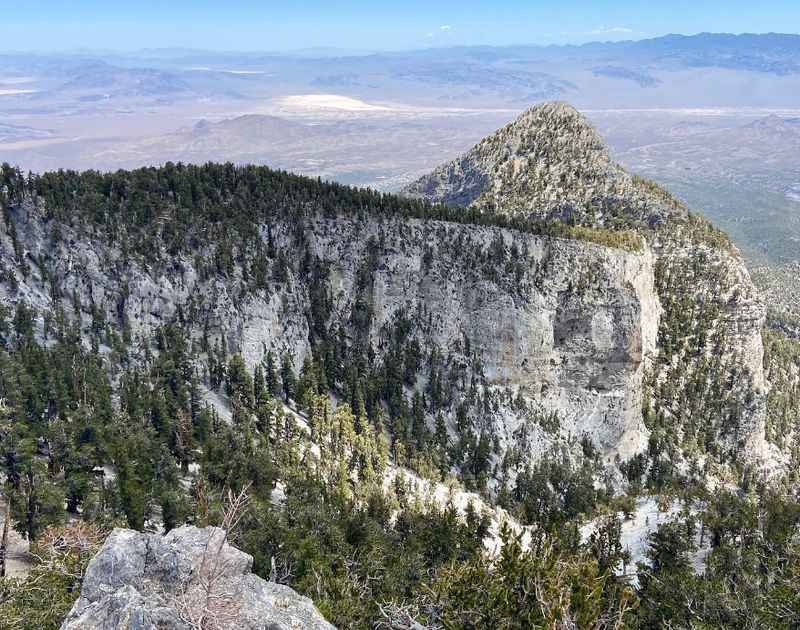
{"x":549,"y":163}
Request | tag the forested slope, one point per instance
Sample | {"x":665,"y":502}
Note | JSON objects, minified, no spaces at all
{"x":171,"y":333}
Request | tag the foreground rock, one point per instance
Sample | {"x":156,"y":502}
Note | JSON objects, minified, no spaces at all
{"x":190,"y":578}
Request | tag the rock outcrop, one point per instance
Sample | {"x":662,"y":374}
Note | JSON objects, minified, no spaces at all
{"x":189,"y":578}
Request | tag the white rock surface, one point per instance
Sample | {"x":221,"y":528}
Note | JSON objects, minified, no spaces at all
{"x":572,"y":333}
{"x":636,"y":531}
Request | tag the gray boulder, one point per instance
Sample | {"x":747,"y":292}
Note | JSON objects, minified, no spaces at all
{"x":189,"y":579}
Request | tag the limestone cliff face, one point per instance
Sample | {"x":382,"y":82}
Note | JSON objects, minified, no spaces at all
{"x":550,"y":164}
{"x":565,"y":326}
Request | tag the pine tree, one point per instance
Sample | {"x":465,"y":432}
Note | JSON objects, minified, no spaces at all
{"x":419,"y":427}
{"x":38,"y":501}
{"x":288,"y":378}
{"x":271,"y":376}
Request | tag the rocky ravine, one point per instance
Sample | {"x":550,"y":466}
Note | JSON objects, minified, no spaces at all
{"x":186,"y":579}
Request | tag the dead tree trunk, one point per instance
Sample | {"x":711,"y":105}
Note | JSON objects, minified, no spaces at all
{"x":4,"y":541}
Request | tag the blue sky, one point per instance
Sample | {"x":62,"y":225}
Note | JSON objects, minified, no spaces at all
{"x":371,"y":24}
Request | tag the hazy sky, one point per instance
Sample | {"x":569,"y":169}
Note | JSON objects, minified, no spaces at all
{"x":371,"y":24}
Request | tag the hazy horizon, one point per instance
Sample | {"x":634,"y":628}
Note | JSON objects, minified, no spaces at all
{"x":355,"y":51}
{"x":245,"y":25}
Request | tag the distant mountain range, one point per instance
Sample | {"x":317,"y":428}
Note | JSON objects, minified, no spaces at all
{"x":765,"y":52}
{"x":770,"y":52}
{"x":628,"y":73}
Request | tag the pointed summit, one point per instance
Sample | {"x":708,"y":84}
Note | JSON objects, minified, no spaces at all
{"x":549,"y":163}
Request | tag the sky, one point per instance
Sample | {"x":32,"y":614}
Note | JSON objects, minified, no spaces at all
{"x":270,"y":25}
